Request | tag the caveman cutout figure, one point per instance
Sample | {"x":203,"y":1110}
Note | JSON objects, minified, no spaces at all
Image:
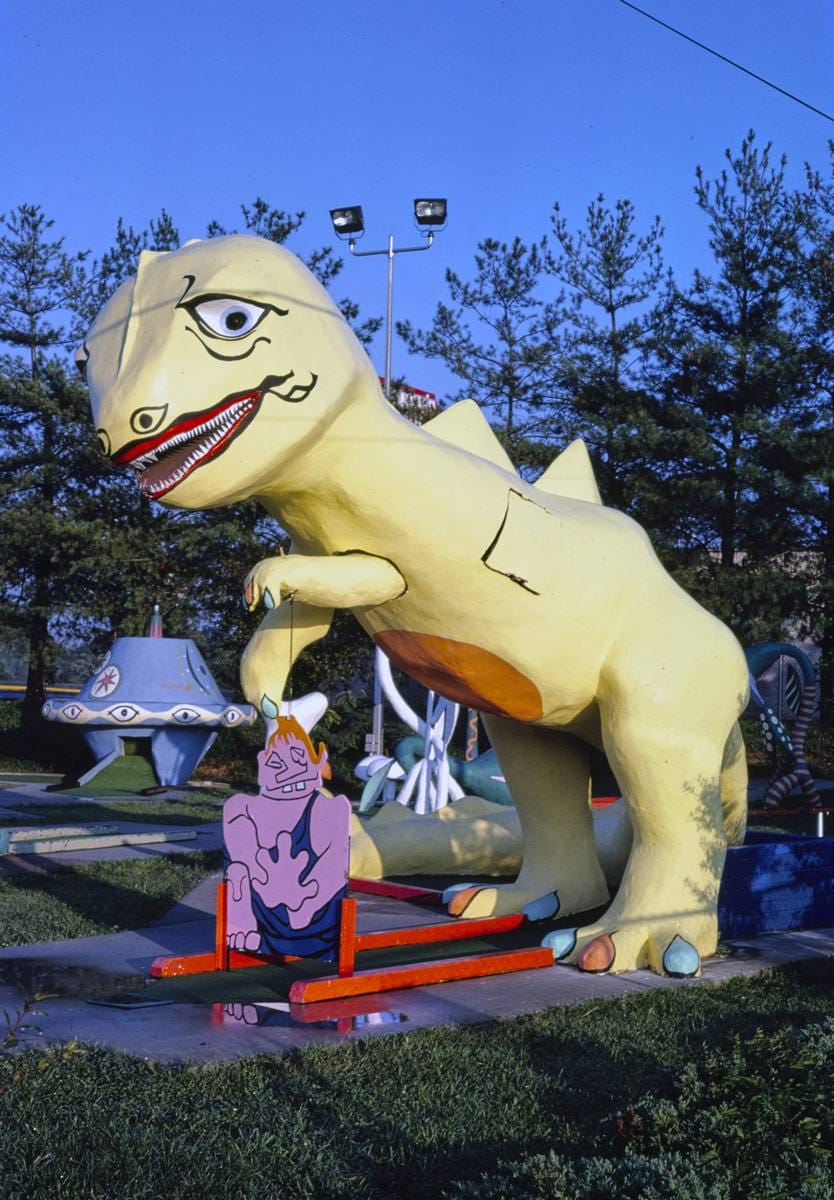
{"x":287,"y":852}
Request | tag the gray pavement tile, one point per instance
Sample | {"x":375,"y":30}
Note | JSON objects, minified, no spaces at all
{"x":215,"y":1033}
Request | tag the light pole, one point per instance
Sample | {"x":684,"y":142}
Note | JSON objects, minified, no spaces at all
{"x":430,"y":216}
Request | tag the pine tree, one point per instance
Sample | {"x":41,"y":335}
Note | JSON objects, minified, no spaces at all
{"x":495,"y":337}
{"x":728,"y":375}
{"x":46,"y":450}
{"x":602,"y":324}
{"x":812,"y":439}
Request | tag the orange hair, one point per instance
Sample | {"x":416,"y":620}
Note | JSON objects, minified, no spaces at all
{"x":289,"y":727}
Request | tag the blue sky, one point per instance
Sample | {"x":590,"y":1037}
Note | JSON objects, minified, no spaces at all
{"x":503,"y":106}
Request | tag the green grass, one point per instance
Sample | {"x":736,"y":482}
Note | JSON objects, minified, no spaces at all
{"x":198,"y":809}
{"x":718,"y":1093}
{"x":97,"y":897}
{"x":128,"y":773}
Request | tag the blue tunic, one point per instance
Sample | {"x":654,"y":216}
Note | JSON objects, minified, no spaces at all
{"x":320,"y":936}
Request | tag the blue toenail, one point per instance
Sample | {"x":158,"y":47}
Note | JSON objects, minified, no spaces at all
{"x":268,"y":601}
{"x":268,"y":707}
{"x":560,"y":941}
{"x":681,"y":958}
{"x":457,"y":887}
{"x":541,"y":909}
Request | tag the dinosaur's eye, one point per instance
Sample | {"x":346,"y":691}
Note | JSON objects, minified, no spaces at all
{"x":227,"y":317}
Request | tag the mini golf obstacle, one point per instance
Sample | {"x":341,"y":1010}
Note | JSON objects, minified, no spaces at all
{"x":99,"y":835}
{"x":156,"y":692}
{"x":350,"y":977}
{"x":284,"y":898}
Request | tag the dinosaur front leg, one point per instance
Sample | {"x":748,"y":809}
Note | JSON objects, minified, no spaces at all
{"x":549,"y":777}
{"x":326,"y":581}
{"x":274,"y":647}
{"x":316,"y":584}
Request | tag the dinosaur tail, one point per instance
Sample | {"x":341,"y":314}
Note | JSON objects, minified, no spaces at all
{"x":734,"y":787}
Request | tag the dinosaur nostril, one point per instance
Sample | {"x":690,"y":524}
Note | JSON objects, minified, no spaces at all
{"x":103,"y":442}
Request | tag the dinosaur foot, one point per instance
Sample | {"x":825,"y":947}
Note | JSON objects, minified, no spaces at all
{"x":498,"y":900}
{"x":667,"y":950}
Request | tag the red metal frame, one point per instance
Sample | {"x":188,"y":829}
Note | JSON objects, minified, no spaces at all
{"x":348,"y":981}
{"x":395,"y":891}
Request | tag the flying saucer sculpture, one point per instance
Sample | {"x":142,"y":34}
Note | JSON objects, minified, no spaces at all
{"x":151,"y":687}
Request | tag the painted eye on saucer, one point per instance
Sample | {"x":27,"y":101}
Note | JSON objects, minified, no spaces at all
{"x":123,"y":713}
{"x":185,"y":716}
{"x":71,"y":711}
{"x":232,"y":715}
{"x":227,"y":317}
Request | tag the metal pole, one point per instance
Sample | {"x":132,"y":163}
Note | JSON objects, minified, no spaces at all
{"x":374,"y":740}
{"x":389,"y":316}
{"x":374,"y":745}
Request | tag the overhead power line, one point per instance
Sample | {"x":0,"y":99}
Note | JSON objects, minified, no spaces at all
{"x":731,"y":61}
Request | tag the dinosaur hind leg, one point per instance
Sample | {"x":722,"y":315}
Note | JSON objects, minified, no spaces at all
{"x":734,"y":787}
{"x":665,"y":912}
{"x":548,"y":776}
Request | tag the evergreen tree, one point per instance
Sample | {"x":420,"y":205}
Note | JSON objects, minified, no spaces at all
{"x":495,"y":337}
{"x":812,"y":439}
{"x":46,"y":450}
{"x":728,"y":373}
{"x":610,"y":273}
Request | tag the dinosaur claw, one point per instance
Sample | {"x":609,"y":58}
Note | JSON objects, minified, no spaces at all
{"x":598,"y":955}
{"x":268,"y":707}
{"x":267,"y":599}
{"x":560,"y":941}
{"x":462,"y":899}
{"x":450,"y":891}
{"x":681,"y":958}
{"x":546,"y":906}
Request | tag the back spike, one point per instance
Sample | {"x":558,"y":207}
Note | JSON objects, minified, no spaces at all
{"x":571,"y":475}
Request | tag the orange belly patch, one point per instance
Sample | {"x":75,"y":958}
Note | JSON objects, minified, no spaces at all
{"x":464,"y":673}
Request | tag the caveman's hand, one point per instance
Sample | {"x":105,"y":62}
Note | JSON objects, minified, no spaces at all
{"x":283,"y":885}
{"x":325,"y":581}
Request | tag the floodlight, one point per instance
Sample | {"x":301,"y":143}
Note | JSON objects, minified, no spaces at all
{"x":348,"y":221}
{"x":430,"y":212}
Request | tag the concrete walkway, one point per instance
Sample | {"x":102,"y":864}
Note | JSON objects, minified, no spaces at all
{"x":17,"y":802}
{"x":85,"y":968}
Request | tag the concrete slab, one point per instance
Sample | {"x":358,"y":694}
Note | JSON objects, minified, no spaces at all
{"x":208,"y":837}
{"x":88,"y":968}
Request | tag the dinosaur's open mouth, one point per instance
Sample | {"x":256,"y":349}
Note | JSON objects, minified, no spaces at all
{"x":164,"y":460}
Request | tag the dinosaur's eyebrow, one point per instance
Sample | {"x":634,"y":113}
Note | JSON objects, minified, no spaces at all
{"x":189,"y":284}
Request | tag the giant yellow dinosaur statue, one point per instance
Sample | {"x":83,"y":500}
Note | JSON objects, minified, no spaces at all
{"x":223,"y":371}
